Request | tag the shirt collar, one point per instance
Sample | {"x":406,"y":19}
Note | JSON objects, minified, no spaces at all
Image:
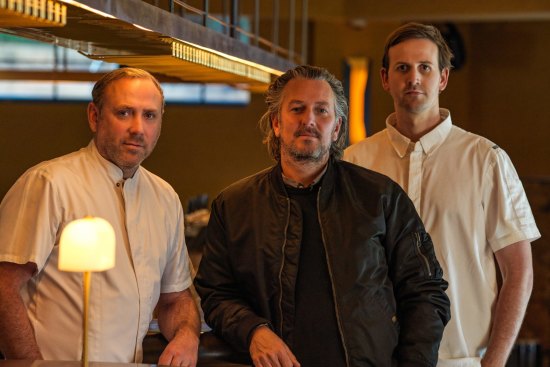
{"x":290,"y":182}
{"x":114,"y":172}
{"x":429,"y":142}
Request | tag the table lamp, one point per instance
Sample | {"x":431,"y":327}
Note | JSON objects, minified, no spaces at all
{"x":87,"y":245}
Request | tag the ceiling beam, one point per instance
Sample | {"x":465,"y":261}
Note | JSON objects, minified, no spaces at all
{"x":430,"y":10}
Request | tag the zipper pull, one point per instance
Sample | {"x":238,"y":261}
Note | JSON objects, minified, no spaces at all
{"x":419,"y":247}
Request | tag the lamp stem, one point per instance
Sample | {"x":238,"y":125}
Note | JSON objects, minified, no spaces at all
{"x":87,"y":278}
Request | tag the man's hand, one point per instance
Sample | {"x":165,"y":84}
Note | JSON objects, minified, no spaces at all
{"x":268,"y":350}
{"x":182,"y":350}
{"x":179,"y":322}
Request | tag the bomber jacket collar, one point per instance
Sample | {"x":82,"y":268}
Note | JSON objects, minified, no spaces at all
{"x":290,"y":182}
{"x":276,"y":178}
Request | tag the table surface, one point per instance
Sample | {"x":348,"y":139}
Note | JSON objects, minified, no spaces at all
{"x":30,"y":363}
{"x":213,"y":352}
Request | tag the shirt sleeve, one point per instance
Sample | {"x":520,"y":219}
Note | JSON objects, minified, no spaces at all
{"x":177,"y":273}
{"x":508,"y":216}
{"x":29,"y":219}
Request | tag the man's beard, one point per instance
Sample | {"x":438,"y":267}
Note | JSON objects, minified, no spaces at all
{"x":308,"y":154}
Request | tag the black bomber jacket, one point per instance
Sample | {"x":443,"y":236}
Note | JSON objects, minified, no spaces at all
{"x":389,"y":293}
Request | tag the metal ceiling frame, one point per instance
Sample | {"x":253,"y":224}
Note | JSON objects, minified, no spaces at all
{"x":135,"y":33}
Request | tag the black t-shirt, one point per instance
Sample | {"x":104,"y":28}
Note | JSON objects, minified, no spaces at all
{"x":315,"y":340}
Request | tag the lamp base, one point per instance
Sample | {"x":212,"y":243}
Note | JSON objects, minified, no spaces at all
{"x":87,"y":279}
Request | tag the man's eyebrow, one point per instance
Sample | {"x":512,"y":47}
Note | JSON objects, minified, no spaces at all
{"x":419,"y":62}
{"x":295,"y":101}
{"x":123,"y":107}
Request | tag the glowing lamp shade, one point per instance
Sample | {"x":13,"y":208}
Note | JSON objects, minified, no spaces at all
{"x":87,"y":244}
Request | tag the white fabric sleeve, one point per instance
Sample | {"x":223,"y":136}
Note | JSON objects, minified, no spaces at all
{"x":177,"y":275}
{"x":29,"y":219}
{"x":508,"y":216}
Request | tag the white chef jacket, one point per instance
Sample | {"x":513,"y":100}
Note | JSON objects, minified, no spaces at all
{"x":151,"y":257}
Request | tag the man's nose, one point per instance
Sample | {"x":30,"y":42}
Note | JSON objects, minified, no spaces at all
{"x":309,"y":116}
{"x":414,"y":77}
{"x":136,"y":124}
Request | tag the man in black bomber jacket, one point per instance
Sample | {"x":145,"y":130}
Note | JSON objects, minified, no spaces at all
{"x":315,"y":261}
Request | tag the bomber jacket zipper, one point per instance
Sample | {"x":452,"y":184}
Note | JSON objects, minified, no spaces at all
{"x":338,"y":321}
{"x":422,"y":256}
{"x":282,"y":266}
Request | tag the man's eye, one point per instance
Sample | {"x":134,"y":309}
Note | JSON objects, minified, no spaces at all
{"x":426,"y":67}
{"x":123,"y":113}
{"x":402,"y":68}
{"x":150,"y":115}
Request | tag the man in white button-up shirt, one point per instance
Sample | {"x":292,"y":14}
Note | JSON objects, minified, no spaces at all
{"x":40,"y":306}
{"x":466,"y":191}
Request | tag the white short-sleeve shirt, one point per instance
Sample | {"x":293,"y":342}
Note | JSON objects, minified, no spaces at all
{"x":472,"y":203}
{"x":151,"y":257}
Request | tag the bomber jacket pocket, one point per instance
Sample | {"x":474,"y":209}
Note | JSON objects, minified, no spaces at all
{"x":424,"y":256}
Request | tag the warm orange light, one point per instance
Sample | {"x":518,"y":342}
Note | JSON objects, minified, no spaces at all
{"x":358,"y":78}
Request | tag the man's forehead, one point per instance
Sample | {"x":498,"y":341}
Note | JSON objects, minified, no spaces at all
{"x":415,"y":48}
{"x":130,"y":83}
{"x":126,"y":88}
{"x":302,"y":90}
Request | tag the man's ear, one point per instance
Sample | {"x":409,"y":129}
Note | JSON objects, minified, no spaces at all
{"x":275,"y":125}
{"x":443,"y":79}
{"x":93,"y":116}
{"x":337,"y":128}
{"x":384,"y":77}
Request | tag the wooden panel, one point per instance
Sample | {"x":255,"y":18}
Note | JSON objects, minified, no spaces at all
{"x":536,"y":325}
